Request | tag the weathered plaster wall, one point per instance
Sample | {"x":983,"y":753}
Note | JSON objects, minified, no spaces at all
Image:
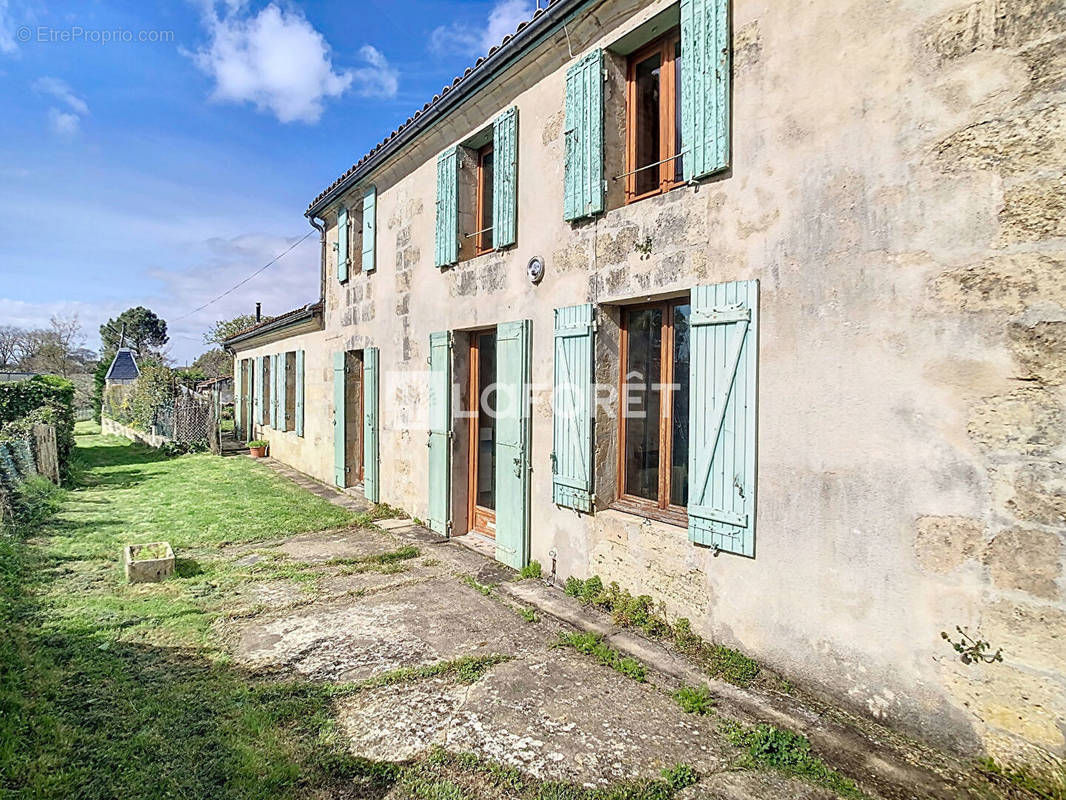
{"x":897,"y":186}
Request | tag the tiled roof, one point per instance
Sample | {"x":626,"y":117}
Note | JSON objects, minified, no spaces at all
{"x":277,"y":321}
{"x":123,"y":367}
{"x":437,"y":98}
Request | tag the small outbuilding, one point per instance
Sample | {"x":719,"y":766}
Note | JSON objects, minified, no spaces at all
{"x":123,"y":369}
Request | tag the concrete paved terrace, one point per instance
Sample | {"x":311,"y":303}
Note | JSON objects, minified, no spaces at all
{"x":366,"y":657}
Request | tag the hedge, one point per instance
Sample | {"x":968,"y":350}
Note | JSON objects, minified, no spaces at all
{"x":43,"y":398}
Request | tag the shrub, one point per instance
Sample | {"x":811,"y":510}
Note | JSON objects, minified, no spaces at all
{"x":679,"y":776}
{"x":257,"y":443}
{"x":45,"y":399}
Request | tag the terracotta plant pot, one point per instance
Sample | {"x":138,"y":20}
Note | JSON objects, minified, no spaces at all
{"x":257,"y":452}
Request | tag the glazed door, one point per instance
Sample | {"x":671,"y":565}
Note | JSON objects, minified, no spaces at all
{"x":482,"y":432}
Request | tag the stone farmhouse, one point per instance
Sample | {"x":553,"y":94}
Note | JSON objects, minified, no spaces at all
{"x":756,"y":308}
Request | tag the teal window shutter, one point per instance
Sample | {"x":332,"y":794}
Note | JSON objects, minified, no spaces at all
{"x":257,"y":393}
{"x":583,"y":164}
{"x":505,"y":179}
{"x":573,"y":406}
{"x":340,"y":466}
{"x":440,"y":432}
{"x":514,"y":355}
{"x":447,"y":242}
{"x":283,"y":420}
{"x":238,"y":398}
{"x":299,"y":422}
{"x":370,"y":226}
{"x":724,"y":330}
{"x":343,"y":258}
{"x":705,"y":80}
{"x":274,"y":392}
{"x":371,"y":404}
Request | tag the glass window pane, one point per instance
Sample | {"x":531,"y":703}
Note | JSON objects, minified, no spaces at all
{"x":486,"y":201}
{"x":486,"y":421}
{"x":679,"y":166}
{"x":679,"y":410}
{"x":640,"y":402}
{"x":646,"y":117}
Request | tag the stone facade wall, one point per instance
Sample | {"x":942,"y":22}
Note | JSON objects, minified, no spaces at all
{"x":898,"y":188}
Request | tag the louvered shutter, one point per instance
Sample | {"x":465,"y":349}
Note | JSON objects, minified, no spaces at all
{"x":513,"y":435}
{"x":573,"y":407}
{"x":724,"y":328}
{"x":583,"y":165}
{"x":705,"y":79}
{"x":370,"y":226}
{"x":371,"y":404}
{"x":343,"y":259}
{"x":239,"y":393}
{"x":274,"y":392}
{"x":447,"y":240}
{"x":339,"y":462}
{"x":257,"y":391}
{"x":505,"y":179}
{"x":440,"y":432}
{"x":283,"y":390}
{"x":299,"y":421}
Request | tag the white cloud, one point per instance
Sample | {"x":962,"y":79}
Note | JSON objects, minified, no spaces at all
{"x":7,"y":38}
{"x":476,"y":40}
{"x":377,"y":78}
{"x":62,"y":92}
{"x":63,"y":122}
{"x":278,"y":61}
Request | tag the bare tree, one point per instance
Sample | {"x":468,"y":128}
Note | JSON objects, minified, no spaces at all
{"x":10,"y":343}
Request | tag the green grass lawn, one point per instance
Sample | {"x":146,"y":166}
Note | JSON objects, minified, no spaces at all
{"x":111,"y":690}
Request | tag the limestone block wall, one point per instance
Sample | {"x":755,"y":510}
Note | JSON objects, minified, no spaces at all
{"x":898,"y":188}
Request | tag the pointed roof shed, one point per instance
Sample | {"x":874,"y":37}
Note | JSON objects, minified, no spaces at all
{"x":124,"y":367}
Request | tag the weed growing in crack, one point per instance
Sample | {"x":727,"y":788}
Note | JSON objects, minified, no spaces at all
{"x":471,"y":581}
{"x":592,"y":644}
{"x":769,"y":747}
{"x":1047,"y":785}
{"x":529,"y":614}
{"x":530,"y":571}
{"x":466,"y":670}
{"x":695,"y":700}
{"x":641,"y":613}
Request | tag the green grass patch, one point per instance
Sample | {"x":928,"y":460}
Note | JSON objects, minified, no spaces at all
{"x":529,"y":614}
{"x":695,"y":700}
{"x":592,"y":644}
{"x":768,"y":747}
{"x":465,"y":670}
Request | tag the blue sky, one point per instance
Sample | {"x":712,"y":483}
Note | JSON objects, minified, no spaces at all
{"x":160,"y":173}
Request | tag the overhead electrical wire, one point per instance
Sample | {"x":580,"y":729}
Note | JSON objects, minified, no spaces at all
{"x":241,"y":283}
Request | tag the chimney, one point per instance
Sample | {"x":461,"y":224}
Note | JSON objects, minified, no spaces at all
{"x":258,"y":312}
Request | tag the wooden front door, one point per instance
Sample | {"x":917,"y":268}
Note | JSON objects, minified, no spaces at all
{"x":482,"y":431}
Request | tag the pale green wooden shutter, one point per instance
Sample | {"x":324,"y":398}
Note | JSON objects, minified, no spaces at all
{"x":513,"y":365}
{"x":447,"y":241}
{"x":705,"y":79}
{"x":257,"y":384}
{"x":238,"y":399}
{"x":343,"y":259}
{"x":583,"y":164}
{"x":249,"y":411}
{"x":370,"y":226}
{"x":505,"y":179}
{"x":283,"y":390}
{"x":371,"y":403}
{"x":340,"y":465}
{"x":440,"y":432}
{"x":572,"y":408}
{"x":724,"y":331}
{"x":274,"y":392}
{"x":299,"y":422}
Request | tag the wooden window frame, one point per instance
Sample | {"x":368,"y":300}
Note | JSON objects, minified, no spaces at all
{"x":660,"y":509}
{"x":479,"y":241}
{"x":665,"y":46}
{"x":478,"y":517}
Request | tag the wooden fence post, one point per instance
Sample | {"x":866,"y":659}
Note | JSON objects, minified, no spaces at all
{"x":44,"y":445}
